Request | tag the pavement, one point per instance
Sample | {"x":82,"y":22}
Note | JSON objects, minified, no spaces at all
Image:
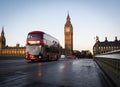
{"x":62,"y":73}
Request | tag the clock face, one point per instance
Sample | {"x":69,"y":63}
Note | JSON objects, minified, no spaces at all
{"x":67,"y":29}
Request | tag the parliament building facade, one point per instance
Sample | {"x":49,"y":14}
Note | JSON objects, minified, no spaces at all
{"x":10,"y":51}
{"x":105,"y":46}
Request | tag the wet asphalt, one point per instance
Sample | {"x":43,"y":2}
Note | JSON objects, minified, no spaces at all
{"x":62,"y":73}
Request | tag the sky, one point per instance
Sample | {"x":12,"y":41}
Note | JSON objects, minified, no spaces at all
{"x":89,"y":18}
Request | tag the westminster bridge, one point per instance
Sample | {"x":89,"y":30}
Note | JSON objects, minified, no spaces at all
{"x":101,"y":71}
{"x":110,"y":64}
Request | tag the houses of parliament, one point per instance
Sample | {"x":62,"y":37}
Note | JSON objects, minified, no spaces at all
{"x":98,"y":48}
{"x":20,"y":51}
{"x":7,"y":50}
{"x":101,"y":47}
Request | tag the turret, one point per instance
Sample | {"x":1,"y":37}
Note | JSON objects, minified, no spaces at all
{"x":106,"y":39}
{"x":116,"y":39}
{"x":97,"y":39}
{"x":2,"y":39}
{"x":2,"y":33}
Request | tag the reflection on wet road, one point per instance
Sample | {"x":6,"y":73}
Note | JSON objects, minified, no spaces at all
{"x":62,"y":73}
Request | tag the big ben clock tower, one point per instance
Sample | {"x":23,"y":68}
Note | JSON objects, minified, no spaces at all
{"x":68,"y":32}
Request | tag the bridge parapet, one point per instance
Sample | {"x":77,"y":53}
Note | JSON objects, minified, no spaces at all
{"x":110,"y":63}
{"x":111,"y":52}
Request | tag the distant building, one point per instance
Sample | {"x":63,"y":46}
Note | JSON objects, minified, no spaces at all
{"x":82,"y":54}
{"x":77,"y":53}
{"x":105,"y":46}
{"x":86,"y":54}
{"x":68,"y":32}
{"x":10,"y":51}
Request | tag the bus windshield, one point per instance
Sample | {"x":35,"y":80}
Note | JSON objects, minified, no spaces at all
{"x":35,"y":36}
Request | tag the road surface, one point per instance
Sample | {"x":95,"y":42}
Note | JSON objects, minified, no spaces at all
{"x":62,"y":73}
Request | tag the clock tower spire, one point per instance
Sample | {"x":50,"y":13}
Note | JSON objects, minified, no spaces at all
{"x":68,"y":32}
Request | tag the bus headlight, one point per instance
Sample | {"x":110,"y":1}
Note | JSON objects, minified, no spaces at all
{"x":34,"y":42}
{"x":37,"y":42}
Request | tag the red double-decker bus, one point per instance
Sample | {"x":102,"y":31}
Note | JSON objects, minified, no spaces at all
{"x":41,"y":46}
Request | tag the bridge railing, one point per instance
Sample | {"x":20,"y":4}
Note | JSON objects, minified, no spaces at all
{"x":110,"y":63}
